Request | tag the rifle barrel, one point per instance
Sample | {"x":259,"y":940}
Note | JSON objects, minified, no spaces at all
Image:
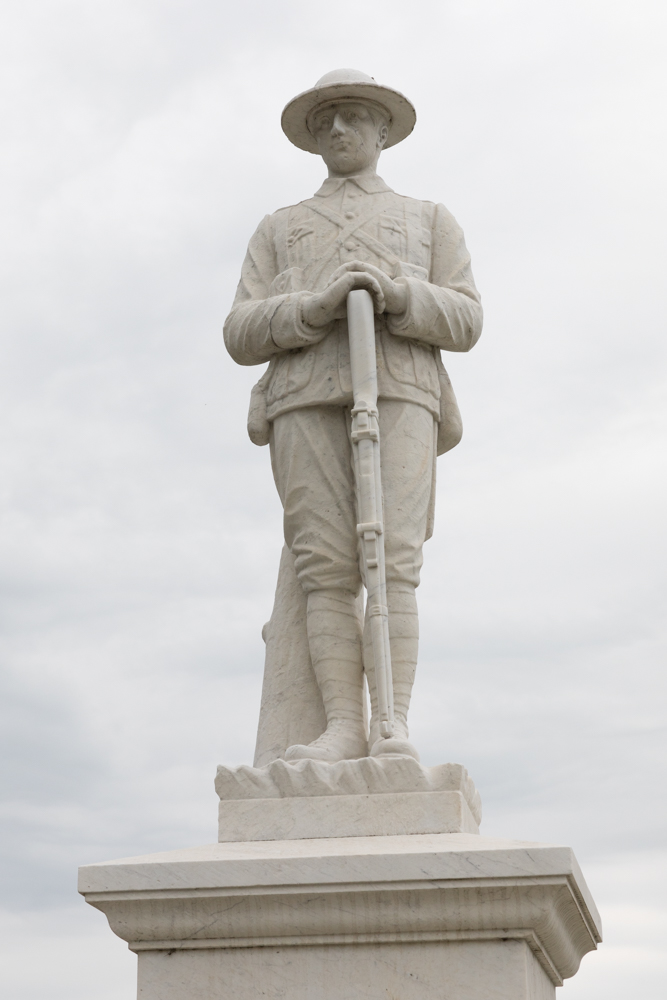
{"x":367,"y":467}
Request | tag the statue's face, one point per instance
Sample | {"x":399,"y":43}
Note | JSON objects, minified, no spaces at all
{"x":349,"y":136}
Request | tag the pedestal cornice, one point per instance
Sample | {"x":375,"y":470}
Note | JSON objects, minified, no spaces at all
{"x":359,"y":890}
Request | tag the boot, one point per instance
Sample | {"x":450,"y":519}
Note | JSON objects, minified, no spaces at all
{"x":334,"y":637}
{"x":404,"y":643}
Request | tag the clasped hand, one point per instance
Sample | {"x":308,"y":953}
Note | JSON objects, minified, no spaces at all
{"x":388,"y":295}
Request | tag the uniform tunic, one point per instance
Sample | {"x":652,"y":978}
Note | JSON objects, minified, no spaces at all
{"x":308,"y":388}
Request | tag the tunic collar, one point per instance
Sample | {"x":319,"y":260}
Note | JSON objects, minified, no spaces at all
{"x":369,"y":183}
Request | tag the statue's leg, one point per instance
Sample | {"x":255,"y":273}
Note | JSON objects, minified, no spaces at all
{"x":334,"y":635}
{"x":404,"y":643}
{"x":407,"y":448}
{"x":311,"y":457}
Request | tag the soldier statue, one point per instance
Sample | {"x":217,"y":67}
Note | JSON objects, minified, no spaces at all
{"x":290,"y":311}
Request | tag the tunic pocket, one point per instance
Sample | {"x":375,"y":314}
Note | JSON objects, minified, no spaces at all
{"x":426,"y":372}
{"x":293,"y":372}
{"x":300,"y":369}
{"x":411,"y":363}
{"x":398,"y":359}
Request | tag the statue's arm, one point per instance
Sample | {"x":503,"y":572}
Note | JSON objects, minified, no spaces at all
{"x":445,"y":311}
{"x":261,"y":325}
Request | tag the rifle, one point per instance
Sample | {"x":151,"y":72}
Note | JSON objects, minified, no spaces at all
{"x":366,"y":455}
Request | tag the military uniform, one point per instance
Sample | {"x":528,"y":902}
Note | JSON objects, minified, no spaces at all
{"x":302,"y":407}
{"x":292,"y":255}
{"x":295,"y":251}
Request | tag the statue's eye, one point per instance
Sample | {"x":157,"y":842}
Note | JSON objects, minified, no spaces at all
{"x":352,"y":116}
{"x":323,"y":123}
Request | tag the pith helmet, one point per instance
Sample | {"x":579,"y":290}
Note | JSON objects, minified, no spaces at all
{"x":347,"y":84}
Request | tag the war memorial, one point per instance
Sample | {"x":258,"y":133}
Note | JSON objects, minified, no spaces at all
{"x":344,"y":868}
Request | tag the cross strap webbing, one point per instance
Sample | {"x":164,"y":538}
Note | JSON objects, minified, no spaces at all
{"x":348,"y":229}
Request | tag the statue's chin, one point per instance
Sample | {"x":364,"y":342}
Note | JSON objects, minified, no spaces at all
{"x":344,"y":163}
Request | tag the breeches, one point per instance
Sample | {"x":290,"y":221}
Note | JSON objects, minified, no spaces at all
{"x":311,"y":455}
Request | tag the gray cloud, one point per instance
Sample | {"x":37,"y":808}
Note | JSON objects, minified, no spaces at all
{"x":140,"y":533}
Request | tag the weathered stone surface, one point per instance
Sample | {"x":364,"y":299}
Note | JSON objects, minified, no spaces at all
{"x":346,"y":870}
{"x":352,"y":798}
{"x":350,"y":296}
{"x":507,"y":919}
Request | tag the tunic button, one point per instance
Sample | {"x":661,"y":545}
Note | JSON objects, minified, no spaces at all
{"x":350,"y":245}
{"x":349,"y":215}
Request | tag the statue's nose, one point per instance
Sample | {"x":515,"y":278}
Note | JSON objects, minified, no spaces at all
{"x":338,"y":126}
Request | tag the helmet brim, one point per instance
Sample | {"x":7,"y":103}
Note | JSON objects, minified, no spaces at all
{"x":294,"y":119}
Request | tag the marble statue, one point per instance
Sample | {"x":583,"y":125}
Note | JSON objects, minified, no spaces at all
{"x":345,"y":869}
{"x":291,"y":310}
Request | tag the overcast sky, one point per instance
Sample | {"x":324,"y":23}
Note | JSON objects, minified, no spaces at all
{"x":140,"y":531}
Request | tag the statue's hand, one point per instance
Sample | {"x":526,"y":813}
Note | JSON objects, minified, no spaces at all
{"x":323,"y":307}
{"x":395,"y":295}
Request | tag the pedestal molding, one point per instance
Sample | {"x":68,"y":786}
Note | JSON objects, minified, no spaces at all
{"x":405,"y":937}
{"x":404,"y":884}
{"x":155,"y":903}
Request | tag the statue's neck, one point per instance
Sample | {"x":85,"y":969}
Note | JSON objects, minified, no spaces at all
{"x":370,"y":172}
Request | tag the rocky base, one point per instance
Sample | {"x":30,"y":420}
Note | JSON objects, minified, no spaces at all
{"x":369,"y":797}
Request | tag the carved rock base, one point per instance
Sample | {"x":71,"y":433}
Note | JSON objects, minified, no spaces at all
{"x":441,"y":917}
{"x":370,"y":797}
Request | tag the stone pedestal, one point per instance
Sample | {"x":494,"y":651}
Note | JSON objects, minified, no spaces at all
{"x":447,"y":916}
